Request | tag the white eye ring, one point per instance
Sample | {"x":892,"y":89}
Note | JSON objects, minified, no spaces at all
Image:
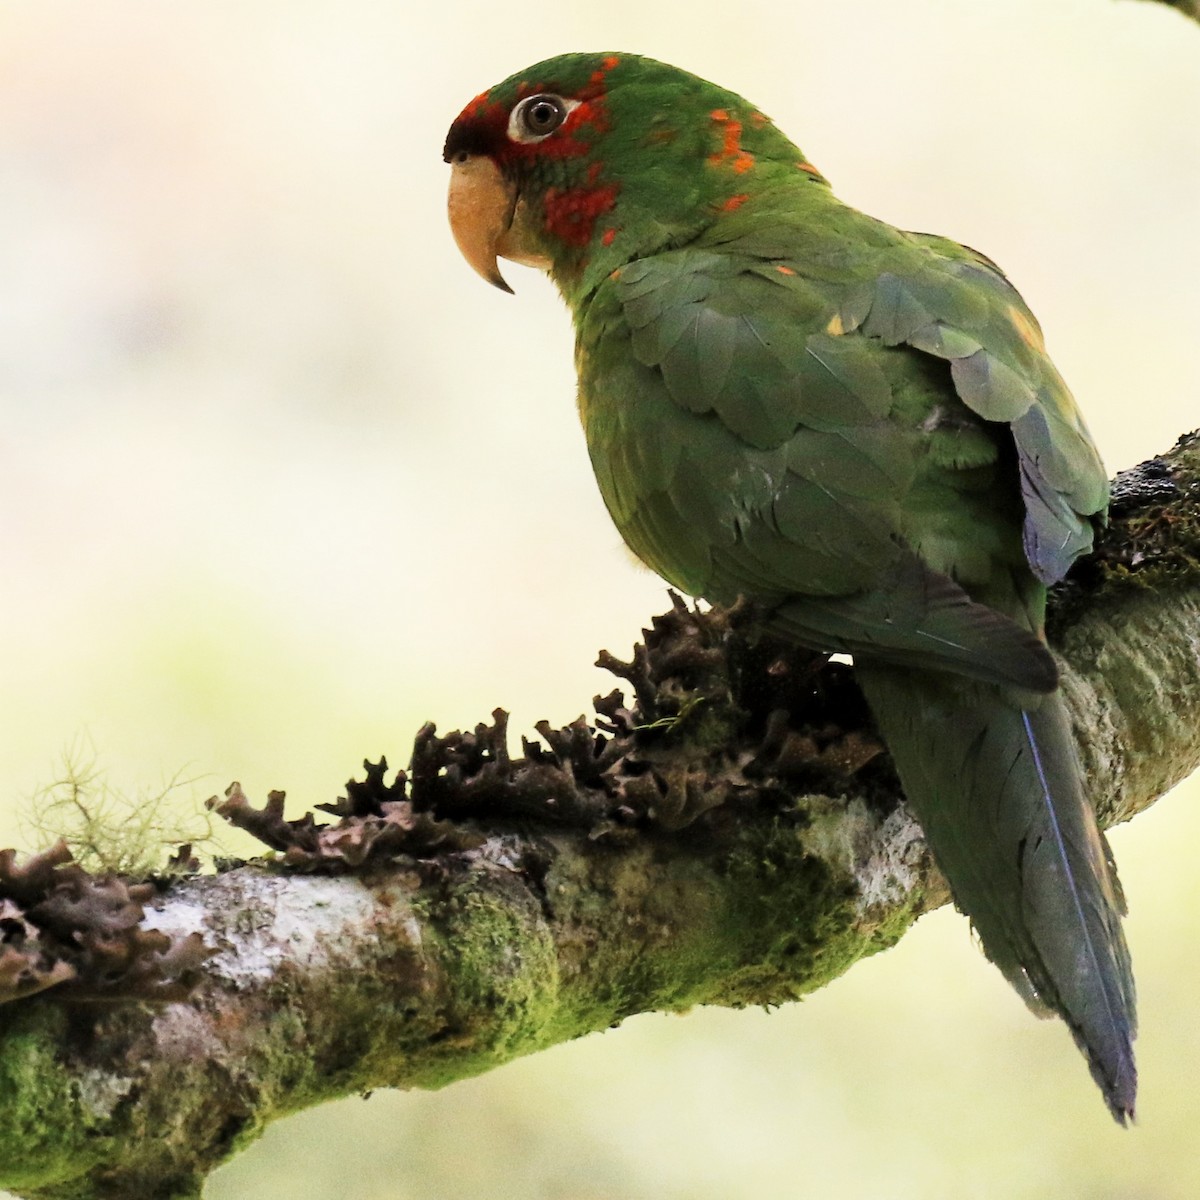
{"x":537,"y":117}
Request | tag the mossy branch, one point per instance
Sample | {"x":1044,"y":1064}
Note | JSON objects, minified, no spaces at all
{"x":734,"y":836}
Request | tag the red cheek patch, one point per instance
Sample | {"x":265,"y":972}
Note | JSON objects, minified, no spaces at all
{"x":572,"y":213}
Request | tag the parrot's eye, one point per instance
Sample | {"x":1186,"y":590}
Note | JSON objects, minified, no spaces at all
{"x":537,"y":117}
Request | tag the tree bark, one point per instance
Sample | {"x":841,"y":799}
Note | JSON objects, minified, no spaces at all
{"x":540,"y":898}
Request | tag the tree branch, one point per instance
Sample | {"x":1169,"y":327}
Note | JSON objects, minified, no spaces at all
{"x":1189,"y":8}
{"x":733,"y":837}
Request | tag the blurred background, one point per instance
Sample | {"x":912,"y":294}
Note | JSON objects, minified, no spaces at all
{"x":280,"y":479}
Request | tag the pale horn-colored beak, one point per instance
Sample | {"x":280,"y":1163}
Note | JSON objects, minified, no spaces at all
{"x":481,"y":208}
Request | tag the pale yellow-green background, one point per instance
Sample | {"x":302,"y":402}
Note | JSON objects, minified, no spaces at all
{"x":280,"y":479}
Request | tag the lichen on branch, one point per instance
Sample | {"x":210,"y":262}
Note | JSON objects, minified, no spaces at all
{"x":726,"y":830}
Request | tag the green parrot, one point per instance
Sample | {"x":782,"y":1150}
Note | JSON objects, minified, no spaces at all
{"x":854,"y":426}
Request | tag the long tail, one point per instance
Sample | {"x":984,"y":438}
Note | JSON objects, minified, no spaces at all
{"x":999,"y":792}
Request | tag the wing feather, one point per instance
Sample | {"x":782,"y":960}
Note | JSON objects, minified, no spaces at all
{"x":796,"y":470}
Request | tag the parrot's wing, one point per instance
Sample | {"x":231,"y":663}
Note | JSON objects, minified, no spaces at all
{"x":762,"y":454}
{"x":955,"y":304}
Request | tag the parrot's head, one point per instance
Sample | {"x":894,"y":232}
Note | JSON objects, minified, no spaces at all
{"x":586,"y":161}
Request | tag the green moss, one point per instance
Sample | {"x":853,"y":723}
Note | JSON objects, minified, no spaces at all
{"x":790,"y":915}
{"x":500,"y":990}
{"x":45,"y":1130}
{"x":761,"y":925}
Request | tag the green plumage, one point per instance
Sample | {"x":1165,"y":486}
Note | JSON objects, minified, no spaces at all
{"x":859,"y":428}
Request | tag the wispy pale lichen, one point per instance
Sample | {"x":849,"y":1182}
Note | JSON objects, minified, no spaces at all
{"x":112,"y":831}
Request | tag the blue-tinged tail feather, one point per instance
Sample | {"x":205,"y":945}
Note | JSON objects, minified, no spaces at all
{"x":995,"y":781}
